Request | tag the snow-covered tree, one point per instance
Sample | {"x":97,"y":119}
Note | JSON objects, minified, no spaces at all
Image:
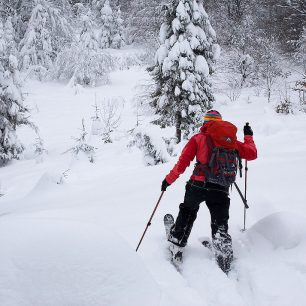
{"x":47,"y":30}
{"x":301,"y":54}
{"x":81,"y":146}
{"x":107,"y":28}
{"x":110,"y":118}
{"x":36,"y":48}
{"x":153,"y":147}
{"x":2,"y":39}
{"x":270,"y":65}
{"x":83,"y":62}
{"x":145,"y":20}
{"x":184,"y":62}
{"x":12,"y":112}
{"x":118,"y":39}
{"x":10,"y":36}
{"x":97,"y":5}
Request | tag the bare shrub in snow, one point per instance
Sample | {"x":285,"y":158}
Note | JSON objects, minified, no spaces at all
{"x":301,"y":54}
{"x":142,"y":100}
{"x":284,"y":107}
{"x":300,"y":87}
{"x":110,"y":119}
{"x":96,"y":121}
{"x":233,"y":90}
{"x":171,"y":145}
{"x":153,"y":147}
{"x":269,"y":64}
{"x":40,"y":150}
{"x":81,"y":146}
{"x":63,"y":177}
{"x":246,"y":67}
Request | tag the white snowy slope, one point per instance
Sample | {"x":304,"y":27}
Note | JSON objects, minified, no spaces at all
{"x":74,"y":243}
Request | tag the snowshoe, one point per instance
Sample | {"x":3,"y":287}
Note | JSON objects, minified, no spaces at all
{"x":222,"y":249}
{"x":168,"y":222}
{"x":176,"y":252}
{"x":222,"y":252}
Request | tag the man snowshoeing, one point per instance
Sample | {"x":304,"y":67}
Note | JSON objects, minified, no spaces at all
{"x":218,"y":154}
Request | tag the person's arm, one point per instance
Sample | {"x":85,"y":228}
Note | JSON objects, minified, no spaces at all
{"x":184,"y":161}
{"x":247,"y":149}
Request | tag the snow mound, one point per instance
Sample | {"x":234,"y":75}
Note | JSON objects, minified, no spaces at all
{"x":58,"y":262}
{"x":282,"y":229}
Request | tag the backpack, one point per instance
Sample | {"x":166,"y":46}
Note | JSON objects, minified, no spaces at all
{"x":223,"y":160}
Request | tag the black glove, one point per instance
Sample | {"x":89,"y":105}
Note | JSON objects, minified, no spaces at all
{"x":247,"y":130}
{"x":164,"y":185}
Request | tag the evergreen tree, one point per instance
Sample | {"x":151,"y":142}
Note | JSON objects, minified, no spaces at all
{"x":184,"y":62}
{"x":47,"y":30}
{"x":36,"y":48}
{"x":97,"y":6}
{"x":12,"y":111}
{"x":107,"y":30}
{"x":83,"y":63}
{"x":87,"y":36}
{"x":10,"y":36}
{"x":118,"y":40}
{"x":2,"y":40}
{"x":145,"y":20}
{"x":302,"y":50}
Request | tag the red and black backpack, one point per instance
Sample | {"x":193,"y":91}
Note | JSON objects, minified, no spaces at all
{"x":223,"y":158}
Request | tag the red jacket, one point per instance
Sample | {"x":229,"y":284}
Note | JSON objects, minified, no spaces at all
{"x":197,"y":147}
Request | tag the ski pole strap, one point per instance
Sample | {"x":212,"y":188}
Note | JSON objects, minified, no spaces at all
{"x":241,"y":195}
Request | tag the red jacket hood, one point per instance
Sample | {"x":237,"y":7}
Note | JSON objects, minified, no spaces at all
{"x":204,"y":127}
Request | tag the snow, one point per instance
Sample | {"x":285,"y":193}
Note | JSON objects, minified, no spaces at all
{"x":69,"y":228}
{"x":201,"y":65}
{"x":62,"y":262}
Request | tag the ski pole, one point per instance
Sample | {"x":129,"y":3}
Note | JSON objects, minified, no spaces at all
{"x":241,"y":195}
{"x":245,"y":192}
{"x":149,"y":222}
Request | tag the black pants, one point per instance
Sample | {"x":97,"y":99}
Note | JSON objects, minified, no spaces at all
{"x":218,"y":203}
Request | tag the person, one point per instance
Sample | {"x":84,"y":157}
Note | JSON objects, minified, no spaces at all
{"x":199,"y":190}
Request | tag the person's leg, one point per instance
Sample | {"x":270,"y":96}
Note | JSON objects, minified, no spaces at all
{"x":188,"y":210}
{"x":218,"y":204}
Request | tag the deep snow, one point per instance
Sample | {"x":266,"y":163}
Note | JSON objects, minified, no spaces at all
{"x":74,"y":243}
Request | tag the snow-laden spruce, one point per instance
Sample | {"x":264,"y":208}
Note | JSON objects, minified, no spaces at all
{"x":12,"y":112}
{"x":107,"y":21}
{"x":145,"y":20}
{"x":10,"y":36}
{"x":184,"y":62}
{"x":84,"y":63}
{"x":46,"y":32}
{"x":118,"y":39}
{"x":153,"y":147}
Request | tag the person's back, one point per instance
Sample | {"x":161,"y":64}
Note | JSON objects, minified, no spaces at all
{"x":201,"y":188}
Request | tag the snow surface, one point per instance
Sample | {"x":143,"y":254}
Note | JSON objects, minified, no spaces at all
{"x":71,"y":240}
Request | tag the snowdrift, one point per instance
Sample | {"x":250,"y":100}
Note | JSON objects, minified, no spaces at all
{"x":59,"y":262}
{"x":283,"y":230}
